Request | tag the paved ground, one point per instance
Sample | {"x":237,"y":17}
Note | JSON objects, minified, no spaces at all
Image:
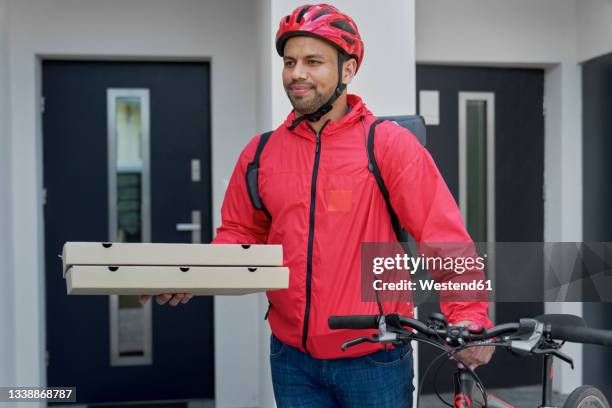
{"x":520,"y":397}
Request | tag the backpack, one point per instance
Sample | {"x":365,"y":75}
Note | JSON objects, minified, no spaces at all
{"x":414,"y":123}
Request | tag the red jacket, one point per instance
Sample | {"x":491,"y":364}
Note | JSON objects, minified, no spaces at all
{"x":324,"y":203}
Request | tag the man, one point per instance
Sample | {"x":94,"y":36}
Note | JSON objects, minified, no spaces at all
{"x":321,"y":202}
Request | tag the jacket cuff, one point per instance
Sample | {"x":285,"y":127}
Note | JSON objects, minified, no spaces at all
{"x":482,"y":319}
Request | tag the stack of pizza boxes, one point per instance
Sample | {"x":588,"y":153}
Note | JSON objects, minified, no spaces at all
{"x":97,"y":268}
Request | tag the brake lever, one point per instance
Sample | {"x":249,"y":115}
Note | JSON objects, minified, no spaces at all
{"x":385,"y":336}
{"x":357,"y":341}
{"x":527,"y":337}
{"x":555,"y":353}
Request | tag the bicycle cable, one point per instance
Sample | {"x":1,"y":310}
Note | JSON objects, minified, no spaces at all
{"x":435,"y":381}
{"x":449,"y":353}
{"x":444,"y":352}
{"x":433,"y":344}
{"x":433,"y":362}
{"x":429,"y":368}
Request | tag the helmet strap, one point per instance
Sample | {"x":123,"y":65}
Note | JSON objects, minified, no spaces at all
{"x":327,"y":106}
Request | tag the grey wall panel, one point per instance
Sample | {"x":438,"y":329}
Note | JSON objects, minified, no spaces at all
{"x":597,"y":200}
{"x":7,"y":365}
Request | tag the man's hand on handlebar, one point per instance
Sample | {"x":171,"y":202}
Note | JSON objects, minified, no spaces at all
{"x":474,"y":356}
{"x":164,"y":298}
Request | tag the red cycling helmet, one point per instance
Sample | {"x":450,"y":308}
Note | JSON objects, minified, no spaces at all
{"x":325,"y":22}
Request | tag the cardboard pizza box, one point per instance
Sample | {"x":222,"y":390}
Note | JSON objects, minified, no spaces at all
{"x":154,"y":280}
{"x":154,"y":254}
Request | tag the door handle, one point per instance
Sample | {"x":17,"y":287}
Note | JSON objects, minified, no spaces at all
{"x":195,"y":226}
{"x":188,"y":227}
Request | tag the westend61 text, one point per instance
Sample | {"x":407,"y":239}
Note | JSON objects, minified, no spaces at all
{"x":428,"y":285}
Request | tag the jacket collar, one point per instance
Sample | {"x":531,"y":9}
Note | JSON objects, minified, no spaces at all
{"x":357,"y":111}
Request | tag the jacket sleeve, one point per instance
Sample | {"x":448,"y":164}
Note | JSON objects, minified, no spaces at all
{"x":424,"y":205}
{"x":241,"y":223}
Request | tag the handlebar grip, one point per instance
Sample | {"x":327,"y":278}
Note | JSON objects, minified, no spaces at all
{"x":581,"y":335}
{"x":353,"y":322}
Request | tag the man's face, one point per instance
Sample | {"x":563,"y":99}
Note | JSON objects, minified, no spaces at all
{"x":310,"y":72}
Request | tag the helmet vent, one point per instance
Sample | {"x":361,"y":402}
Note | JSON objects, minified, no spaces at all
{"x":343,"y":25}
{"x":287,"y":19}
{"x":321,"y":14}
{"x":348,"y":39}
{"x":302,"y":12}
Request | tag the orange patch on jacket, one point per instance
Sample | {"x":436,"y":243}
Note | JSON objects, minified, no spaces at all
{"x":339,"y":200}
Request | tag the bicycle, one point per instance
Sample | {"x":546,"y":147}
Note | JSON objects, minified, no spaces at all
{"x":543,"y":335}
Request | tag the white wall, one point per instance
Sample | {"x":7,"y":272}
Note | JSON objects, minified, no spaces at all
{"x":563,"y":190}
{"x":495,"y":31}
{"x":563,"y":146}
{"x":594,"y":21}
{"x":6,"y":273}
{"x":223,"y":31}
{"x":265,"y":30}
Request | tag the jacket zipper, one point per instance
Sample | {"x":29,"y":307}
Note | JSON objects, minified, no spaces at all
{"x":313,"y":197}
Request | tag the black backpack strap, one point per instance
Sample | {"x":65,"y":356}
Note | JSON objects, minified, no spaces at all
{"x":252,"y":175}
{"x":373,"y":167}
{"x":402,"y":236}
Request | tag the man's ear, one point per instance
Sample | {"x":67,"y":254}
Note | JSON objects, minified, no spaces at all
{"x":349,"y":69}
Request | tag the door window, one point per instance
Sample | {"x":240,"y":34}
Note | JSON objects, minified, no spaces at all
{"x":477,"y":164}
{"x":129,"y":216}
{"x":477,"y":174}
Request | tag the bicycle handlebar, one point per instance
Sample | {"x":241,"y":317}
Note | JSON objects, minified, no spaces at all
{"x":359,"y":322}
{"x":581,"y":335}
{"x":556,"y":331}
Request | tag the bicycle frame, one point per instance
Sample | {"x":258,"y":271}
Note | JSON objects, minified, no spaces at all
{"x":548,"y":375}
{"x":466,"y":396}
{"x":464,"y":389}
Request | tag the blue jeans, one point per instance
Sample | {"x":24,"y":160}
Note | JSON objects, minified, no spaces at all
{"x":382,"y":379}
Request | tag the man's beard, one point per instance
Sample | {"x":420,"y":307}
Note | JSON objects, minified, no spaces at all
{"x":307,"y":104}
